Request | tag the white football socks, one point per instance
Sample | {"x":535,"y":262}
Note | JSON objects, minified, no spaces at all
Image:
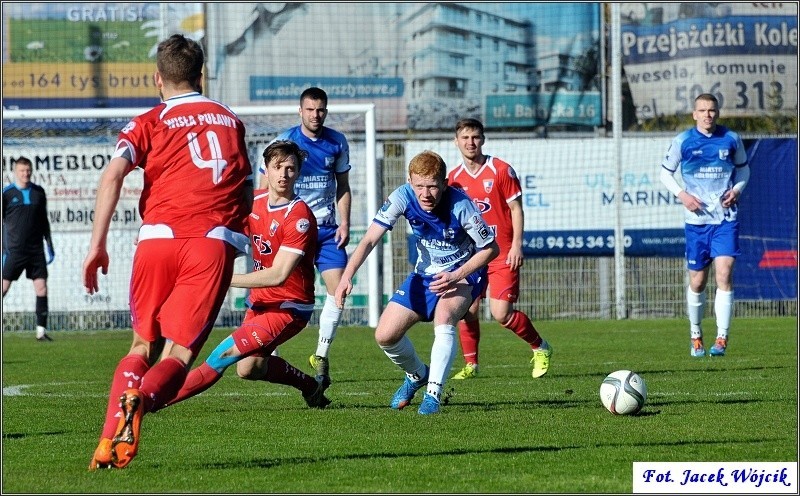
{"x":328,"y":324}
{"x":442,"y":353}
{"x":695,"y":306}
{"x":404,"y":356}
{"x":723,"y":310}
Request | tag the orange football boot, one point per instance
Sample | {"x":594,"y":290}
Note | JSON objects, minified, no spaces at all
{"x":102,"y":457}
{"x":125,"y":443}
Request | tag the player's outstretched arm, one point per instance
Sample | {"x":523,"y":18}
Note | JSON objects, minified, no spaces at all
{"x":371,"y":238}
{"x":343,"y":204}
{"x":108,"y":192}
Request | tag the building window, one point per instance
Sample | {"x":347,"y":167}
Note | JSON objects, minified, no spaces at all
{"x":449,"y":88}
{"x":457,"y":61}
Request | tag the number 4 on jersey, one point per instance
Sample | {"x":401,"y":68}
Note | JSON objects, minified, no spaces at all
{"x":216,"y":163}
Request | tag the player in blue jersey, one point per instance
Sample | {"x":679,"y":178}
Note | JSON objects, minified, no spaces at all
{"x":25,"y":226}
{"x":454,"y":246}
{"x":715,"y":171}
{"x":324,"y":185}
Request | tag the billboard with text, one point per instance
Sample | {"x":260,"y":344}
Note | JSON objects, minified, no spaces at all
{"x":423,"y":65}
{"x":745,"y":53}
{"x":87,"y":55}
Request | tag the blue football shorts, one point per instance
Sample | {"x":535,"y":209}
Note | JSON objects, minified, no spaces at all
{"x":705,"y":243}
{"x":415,"y":295}
{"x":328,"y":255}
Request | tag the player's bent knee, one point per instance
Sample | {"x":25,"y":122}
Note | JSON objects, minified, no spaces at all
{"x":384,"y":339}
{"x":252,"y":368}
{"x":248,"y":372}
{"x":503,"y":317}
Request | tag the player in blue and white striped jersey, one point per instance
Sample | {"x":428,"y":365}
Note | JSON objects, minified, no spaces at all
{"x":715,"y":171}
{"x":324,"y":185}
{"x":454,"y":246}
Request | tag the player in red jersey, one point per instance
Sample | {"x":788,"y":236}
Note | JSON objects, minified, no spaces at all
{"x":494,"y":186}
{"x":194,"y":206}
{"x":283,"y":236}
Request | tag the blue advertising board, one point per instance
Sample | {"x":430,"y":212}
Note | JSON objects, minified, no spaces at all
{"x":767,"y":267}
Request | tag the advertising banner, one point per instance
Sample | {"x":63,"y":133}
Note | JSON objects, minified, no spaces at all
{"x":744,"y":53}
{"x":767,"y":267}
{"x":424,"y":65}
{"x":570,"y":201}
{"x":69,"y":173}
{"x":87,"y":55}
{"x":569,"y":194}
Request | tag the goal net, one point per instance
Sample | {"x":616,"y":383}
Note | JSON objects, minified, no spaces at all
{"x":69,"y":150}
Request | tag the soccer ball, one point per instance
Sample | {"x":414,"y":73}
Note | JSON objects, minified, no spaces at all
{"x":623,"y":392}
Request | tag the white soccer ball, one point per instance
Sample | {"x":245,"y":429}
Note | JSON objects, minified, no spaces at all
{"x":623,"y":392}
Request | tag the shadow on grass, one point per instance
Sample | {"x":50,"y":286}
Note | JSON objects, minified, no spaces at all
{"x":693,"y":401}
{"x":276,"y":462}
{"x":567,"y":403}
{"x":289,"y":461}
{"x":517,"y":404}
{"x":24,"y":435}
{"x":688,"y":369}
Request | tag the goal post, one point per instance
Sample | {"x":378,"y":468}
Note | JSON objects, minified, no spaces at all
{"x":70,"y":147}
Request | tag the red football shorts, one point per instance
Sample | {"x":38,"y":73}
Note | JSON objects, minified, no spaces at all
{"x":264,"y":330}
{"x":177,"y":288}
{"x":503,"y":283}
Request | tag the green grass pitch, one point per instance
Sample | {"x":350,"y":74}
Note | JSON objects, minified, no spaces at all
{"x":502,"y":432}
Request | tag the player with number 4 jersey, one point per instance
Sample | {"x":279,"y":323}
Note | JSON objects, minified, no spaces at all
{"x":194,"y":206}
{"x":192,"y":152}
